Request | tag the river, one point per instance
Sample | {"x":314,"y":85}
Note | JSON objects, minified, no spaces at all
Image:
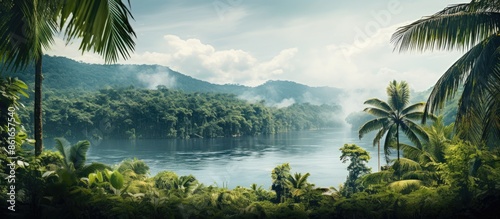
{"x":241,"y":161}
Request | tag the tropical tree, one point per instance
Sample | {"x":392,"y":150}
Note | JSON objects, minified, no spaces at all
{"x":298,"y":185}
{"x":475,"y":27}
{"x":358,"y":158}
{"x":433,"y":150}
{"x":27,"y":29}
{"x":279,"y":177}
{"x":393,"y":116}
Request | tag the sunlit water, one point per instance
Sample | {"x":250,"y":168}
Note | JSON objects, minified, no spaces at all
{"x":242,"y":160}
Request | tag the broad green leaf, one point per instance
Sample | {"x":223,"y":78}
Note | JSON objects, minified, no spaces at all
{"x":116,"y":180}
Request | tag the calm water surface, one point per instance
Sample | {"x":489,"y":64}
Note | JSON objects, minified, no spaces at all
{"x":242,"y":160}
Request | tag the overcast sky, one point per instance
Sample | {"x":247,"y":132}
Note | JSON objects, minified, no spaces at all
{"x":344,"y":44}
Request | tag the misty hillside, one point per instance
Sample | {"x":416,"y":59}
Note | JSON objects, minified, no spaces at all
{"x":61,"y":74}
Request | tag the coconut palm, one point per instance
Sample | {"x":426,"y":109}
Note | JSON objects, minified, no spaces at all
{"x":394,"y":116}
{"x":27,"y":29}
{"x":419,"y":165}
{"x":279,"y":177}
{"x":298,"y":184}
{"x":473,"y":27}
{"x":432,"y":151}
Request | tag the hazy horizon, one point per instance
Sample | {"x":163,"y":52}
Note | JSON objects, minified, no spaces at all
{"x":320,"y":43}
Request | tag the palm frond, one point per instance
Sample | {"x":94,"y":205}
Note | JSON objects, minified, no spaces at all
{"x":91,"y":168}
{"x":417,"y":116}
{"x":458,"y":73}
{"x":103,"y":27}
{"x":61,"y":145}
{"x":411,"y":152}
{"x":453,"y":9}
{"x":379,"y":136}
{"x":406,"y":185}
{"x":26,"y":27}
{"x":411,"y":130}
{"x":378,"y":103}
{"x":389,"y":140}
{"x":426,"y":177}
{"x":399,"y":95}
{"x":78,"y":153}
{"x":477,"y":96}
{"x":406,"y":165}
{"x":447,"y":31}
{"x":377,"y":112}
{"x":377,"y":178}
{"x":474,"y":27}
{"x":485,"y":5}
{"x":417,"y":107}
{"x":373,"y":124}
{"x":491,"y":121}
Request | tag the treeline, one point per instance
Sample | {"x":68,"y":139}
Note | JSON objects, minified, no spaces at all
{"x":139,"y":113}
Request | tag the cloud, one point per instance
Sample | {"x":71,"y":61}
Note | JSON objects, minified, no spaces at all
{"x":248,"y":43}
{"x":153,"y":80}
{"x":203,"y":61}
{"x":284,"y":103}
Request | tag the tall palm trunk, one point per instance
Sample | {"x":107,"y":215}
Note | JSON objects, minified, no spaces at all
{"x":38,"y":106}
{"x":378,"y":156}
{"x":397,"y":139}
{"x":397,"y":143}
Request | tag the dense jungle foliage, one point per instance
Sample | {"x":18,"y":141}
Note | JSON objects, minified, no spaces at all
{"x":445,"y":177}
{"x":133,"y":113}
{"x":446,"y":171}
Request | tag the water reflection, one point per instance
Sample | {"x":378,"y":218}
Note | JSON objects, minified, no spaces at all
{"x":241,"y":160}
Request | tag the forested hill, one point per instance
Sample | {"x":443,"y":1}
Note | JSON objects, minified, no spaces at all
{"x":95,"y":101}
{"x":141,"y":113}
{"x":61,"y":73}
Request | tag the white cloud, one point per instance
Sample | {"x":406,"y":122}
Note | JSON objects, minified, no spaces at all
{"x":285,"y":103}
{"x":203,"y":61}
{"x":249,"y":43}
{"x":194,"y":58}
{"x":156,"y":79}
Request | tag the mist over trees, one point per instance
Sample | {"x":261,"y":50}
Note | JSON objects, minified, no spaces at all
{"x":132,"y":113}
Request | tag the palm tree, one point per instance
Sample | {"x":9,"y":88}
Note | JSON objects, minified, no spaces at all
{"x":298,"y":185}
{"x":475,"y":27}
{"x":432,"y":151}
{"x":27,"y":28}
{"x":279,"y":177}
{"x":393,"y":116}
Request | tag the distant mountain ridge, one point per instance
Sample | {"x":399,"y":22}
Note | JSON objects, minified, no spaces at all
{"x":62,"y":73}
